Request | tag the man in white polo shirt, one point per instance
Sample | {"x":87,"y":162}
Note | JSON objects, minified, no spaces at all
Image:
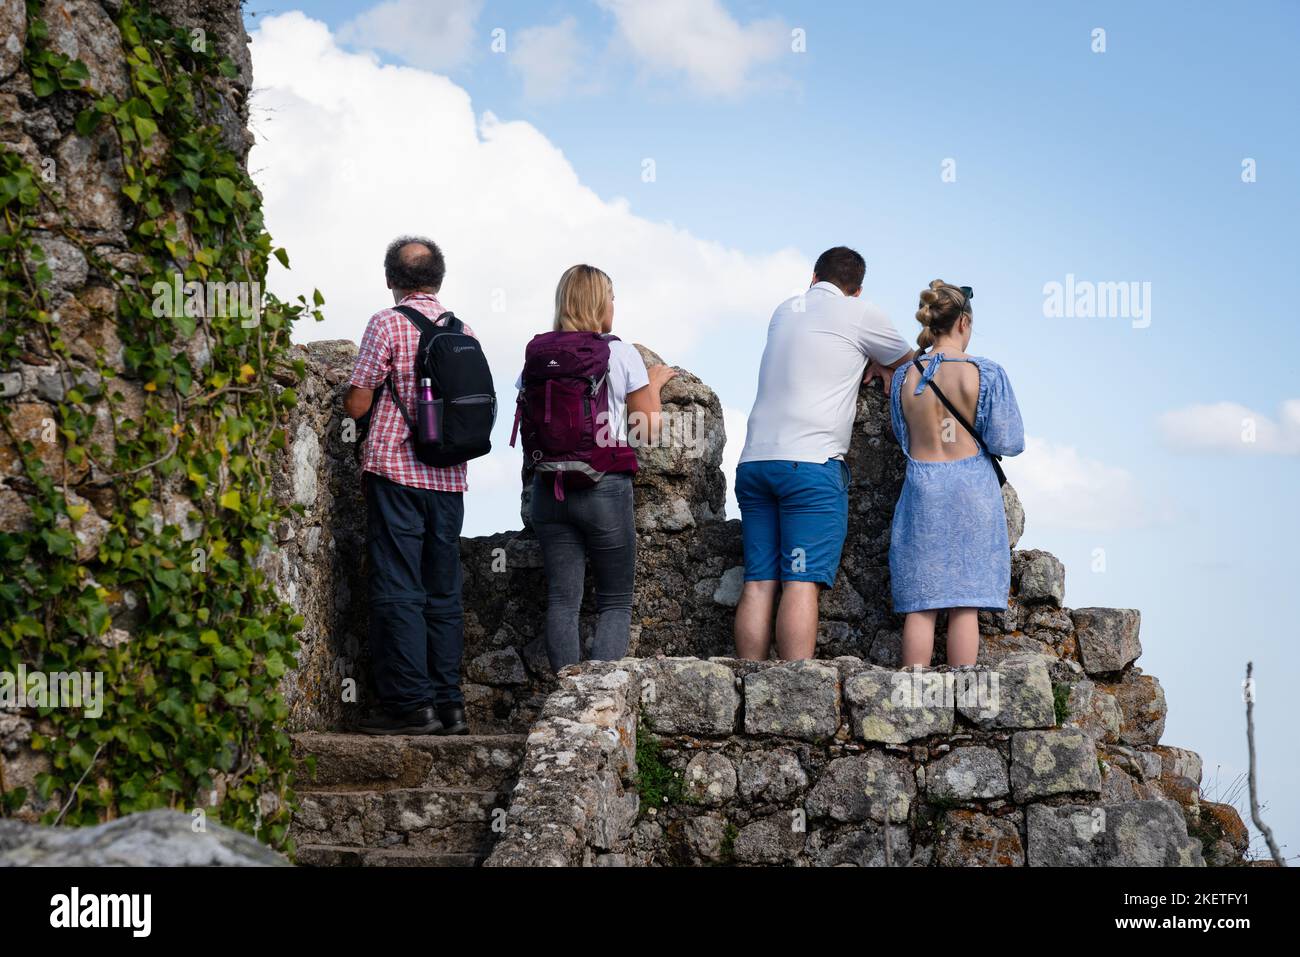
{"x":792,"y":482}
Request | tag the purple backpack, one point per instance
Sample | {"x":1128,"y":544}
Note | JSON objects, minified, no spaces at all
{"x":563,"y":410}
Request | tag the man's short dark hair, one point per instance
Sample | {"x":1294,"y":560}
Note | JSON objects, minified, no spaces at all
{"x":413,"y":262}
{"x":843,"y":266}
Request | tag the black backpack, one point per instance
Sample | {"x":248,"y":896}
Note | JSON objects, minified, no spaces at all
{"x":465,"y":401}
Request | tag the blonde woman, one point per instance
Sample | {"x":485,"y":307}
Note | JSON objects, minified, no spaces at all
{"x":579,"y":387}
{"x":948,"y":547}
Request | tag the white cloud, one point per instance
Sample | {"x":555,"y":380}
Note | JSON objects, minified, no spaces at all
{"x":1060,"y":488}
{"x":700,"y":40}
{"x":736,"y":423}
{"x":503,"y":202}
{"x":1233,"y":429}
{"x":550,"y":59}
{"x":434,"y":34}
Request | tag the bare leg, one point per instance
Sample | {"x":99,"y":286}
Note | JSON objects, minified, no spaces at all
{"x":918,"y":638}
{"x":963,"y":636}
{"x":796,"y":621}
{"x":753,"y":629}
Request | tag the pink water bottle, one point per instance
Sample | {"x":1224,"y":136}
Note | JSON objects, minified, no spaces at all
{"x":427,"y":413}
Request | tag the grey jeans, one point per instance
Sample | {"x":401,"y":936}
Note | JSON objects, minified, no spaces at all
{"x":595,"y":523}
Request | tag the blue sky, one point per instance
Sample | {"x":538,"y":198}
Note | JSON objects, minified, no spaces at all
{"x":1115,"y":166}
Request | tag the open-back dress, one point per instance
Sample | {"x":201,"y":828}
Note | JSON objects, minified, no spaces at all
{"x":948,"y":546}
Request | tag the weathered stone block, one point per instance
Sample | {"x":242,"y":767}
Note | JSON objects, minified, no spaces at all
{"x":1017,"y":693}
{"x":774,"y":776}
{"x":1179,"y":762}
{"x":776,"y":839}
{"x":973,"y":839}
{"x":729,"y":587}
{"x":1040,"y":575}
{"x":705,"y":837}
{"x":503,"y":667}
{"x":871,"y":786}
{"x":1107,"y":638}
{"x":1053,"y":762}
{"x":1132,"y":834}
{"x":860,"y":847}
{"x":1142,"y":709}
{"x":1093,"y":710}
{"x":710,"y":779}
{"x":968,"y":774}
{"x":13,"y":27}
{"x":798,"y":699}
{"x":893,"y":707}
{"x":688,"y":696}
{"x":1015,"y":514}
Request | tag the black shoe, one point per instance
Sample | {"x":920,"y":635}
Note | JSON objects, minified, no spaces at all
{"x":419,"y":721}
{"x":452,"y":719}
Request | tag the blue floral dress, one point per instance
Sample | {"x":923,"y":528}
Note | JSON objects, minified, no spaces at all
{"x":948,"y":547}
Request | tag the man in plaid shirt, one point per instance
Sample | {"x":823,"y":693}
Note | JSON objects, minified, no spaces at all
{"x":414,"y":516}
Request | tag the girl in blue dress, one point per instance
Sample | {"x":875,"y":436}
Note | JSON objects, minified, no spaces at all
{"x":949,"y":547}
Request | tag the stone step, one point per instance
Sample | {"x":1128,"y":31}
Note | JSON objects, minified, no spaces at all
{"x":334,"y":855}
{"x":448,"y":820}
{"x":361,"y":762}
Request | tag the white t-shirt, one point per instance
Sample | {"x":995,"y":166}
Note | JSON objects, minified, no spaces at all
{"x":818,"y":345}
{"x":627,"y":373}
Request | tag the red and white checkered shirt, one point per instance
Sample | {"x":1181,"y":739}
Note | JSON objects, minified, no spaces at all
{"x":389,"y":346}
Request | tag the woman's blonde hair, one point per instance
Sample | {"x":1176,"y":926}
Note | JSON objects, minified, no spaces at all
{"x":942,"y":305}
{"x":581,"y":298}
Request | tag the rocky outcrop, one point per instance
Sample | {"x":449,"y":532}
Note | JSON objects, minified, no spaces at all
{"x":147,"y":839}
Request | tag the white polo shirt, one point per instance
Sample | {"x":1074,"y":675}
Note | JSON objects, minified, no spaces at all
{"x":818,"y":346}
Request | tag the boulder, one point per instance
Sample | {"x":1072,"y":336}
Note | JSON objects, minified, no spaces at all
{"x":147,"y":839}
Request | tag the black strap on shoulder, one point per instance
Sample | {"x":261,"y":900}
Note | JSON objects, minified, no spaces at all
{"x":427,"y":328}
{"x":934,"y":387}
{"x":419,"y":319}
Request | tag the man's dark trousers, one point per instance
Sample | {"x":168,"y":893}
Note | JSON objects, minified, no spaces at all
{"x":417,"y":623}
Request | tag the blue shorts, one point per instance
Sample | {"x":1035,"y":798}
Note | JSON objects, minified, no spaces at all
{"x":794,"y":516}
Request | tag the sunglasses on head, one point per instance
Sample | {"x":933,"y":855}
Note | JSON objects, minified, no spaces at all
{"x":969,"y":294}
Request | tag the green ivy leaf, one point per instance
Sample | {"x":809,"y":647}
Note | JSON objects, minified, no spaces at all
{"x":225,"y":189}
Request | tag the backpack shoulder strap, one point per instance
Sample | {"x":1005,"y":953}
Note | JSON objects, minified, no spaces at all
{"x":427,"y":329}
{"x":454,"y":325}
{"x":418,"y":319}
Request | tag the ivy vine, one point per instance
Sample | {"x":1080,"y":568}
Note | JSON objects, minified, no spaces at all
{"x":192,"y":715}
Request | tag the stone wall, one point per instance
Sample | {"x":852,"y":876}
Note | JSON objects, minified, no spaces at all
{"x":84,"y":176}
{"x":841,"y":762}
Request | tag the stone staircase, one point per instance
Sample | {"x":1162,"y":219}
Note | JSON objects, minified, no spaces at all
{"x":417,"y":801}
